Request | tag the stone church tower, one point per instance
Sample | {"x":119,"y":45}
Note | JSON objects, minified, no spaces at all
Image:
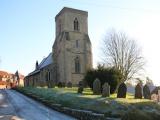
{"x":72,"y":52}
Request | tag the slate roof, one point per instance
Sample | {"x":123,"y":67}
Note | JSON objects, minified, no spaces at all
{"x":45,"y":62}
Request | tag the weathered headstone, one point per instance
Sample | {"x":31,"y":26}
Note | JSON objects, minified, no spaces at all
{"x":106,"y":90}
{"x":146,"y":92}
{"x":138,"y":91}
{"x":97,"y":87}
{"x":60,"y":84}
{"x":122,"y":90}
{"x":63,"y":84}
{"x":80,"y":83}
{"x":154,"y":97}
{"x":155,"y":90}
{"x":69,"y":84}
{"x":80,"y":87}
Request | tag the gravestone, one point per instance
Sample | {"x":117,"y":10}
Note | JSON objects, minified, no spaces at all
{"x":60,"y":84}
{"x":154,"y":97}
{"x":122,"y":90}
{"x":63,"y":84}
{"x":138,"y":91}
{"x":80,"y":83}
{"x":80,"y":87}
{"x":106,"y":90}
{"x":69,"y":85}
{"x":97,"y":87}
{"x":146,"y":92}
{"x":155,"y":90}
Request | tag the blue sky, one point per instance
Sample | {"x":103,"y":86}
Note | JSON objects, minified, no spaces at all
{"x":27,"y":29}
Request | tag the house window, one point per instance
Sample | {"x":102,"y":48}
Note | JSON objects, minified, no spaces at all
{"x":76,"y":24}
{"x":77,"y":65}
{"x":77,"y":43}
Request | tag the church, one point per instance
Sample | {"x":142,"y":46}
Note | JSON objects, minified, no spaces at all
{"x":71,"y":54}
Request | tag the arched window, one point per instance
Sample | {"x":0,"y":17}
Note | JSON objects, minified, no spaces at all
{"x":76,"y":24}
{"x":77,"y":65}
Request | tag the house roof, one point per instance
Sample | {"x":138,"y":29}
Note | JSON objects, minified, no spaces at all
{"x":2,"y":73}
{"x":6,"y":74}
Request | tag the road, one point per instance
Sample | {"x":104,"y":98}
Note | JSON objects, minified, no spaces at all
{"x":15,"y":106}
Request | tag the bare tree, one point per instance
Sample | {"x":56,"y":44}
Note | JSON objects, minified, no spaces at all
{"x":122,"y":53}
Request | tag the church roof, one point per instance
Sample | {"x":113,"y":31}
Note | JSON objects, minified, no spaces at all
{"x":45,"y":62}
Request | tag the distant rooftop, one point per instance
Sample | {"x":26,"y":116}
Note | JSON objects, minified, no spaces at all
{"x":4,"y":73}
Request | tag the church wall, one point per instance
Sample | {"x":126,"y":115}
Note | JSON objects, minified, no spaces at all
{"x":39,"y":79}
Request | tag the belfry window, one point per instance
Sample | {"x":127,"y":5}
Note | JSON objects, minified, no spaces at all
{"x":76,"y":24}
{"x":77,"y":65}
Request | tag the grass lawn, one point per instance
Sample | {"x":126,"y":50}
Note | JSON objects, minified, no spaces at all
{"x":111,"y":106}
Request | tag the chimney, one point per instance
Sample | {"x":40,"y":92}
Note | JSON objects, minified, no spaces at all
{"x":36,"y":65}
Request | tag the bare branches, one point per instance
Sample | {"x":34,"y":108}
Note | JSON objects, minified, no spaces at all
{"x":123,"y":53}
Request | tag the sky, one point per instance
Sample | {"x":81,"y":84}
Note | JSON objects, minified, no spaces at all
{"x":27,"y":29}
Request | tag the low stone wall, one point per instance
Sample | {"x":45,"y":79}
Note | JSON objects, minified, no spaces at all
{"x":79,"y":114}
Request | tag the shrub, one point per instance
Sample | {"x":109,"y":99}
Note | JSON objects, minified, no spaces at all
{"x":97,"y":87}
{"x":109,"y":75}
